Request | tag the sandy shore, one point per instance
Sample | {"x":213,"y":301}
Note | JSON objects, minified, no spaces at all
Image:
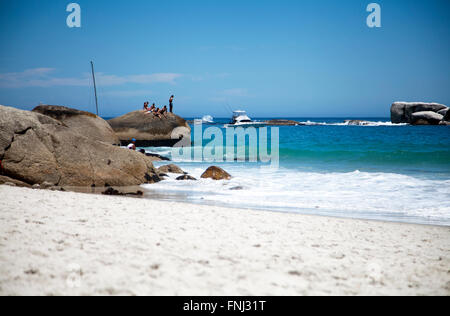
{"x":60,"y":243}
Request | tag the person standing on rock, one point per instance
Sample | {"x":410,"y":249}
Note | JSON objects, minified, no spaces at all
{"x":171,"y":103}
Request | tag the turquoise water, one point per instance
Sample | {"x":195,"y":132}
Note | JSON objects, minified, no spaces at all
{"x":400,"y":149}
{"x":383,"y":172}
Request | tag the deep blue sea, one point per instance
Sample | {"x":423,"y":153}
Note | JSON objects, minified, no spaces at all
{"x":382,"y":171}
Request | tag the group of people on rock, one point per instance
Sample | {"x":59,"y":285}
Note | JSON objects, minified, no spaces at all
{"x":158,"y":112}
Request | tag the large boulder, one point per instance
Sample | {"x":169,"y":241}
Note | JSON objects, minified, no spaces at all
{"x":216,"y":173}
{"x":83,"y":123}
{"x":170,"y":169}
{"x":426,"y":118}
{"x":36,"y":148}
{"x":150,"y":130}
{"x":401,"y":112}
{"x":398,"y":113}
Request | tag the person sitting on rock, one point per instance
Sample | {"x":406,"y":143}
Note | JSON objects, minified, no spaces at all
{"x":164,"y":111}
{"x":132,"y":145}
{"x":157,"y":112}
{"x":150,"y":109}
{"x":146,"y":106}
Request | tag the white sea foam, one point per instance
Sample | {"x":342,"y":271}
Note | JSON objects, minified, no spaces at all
{"x":383,"y":196}
{"x":366,"y":123}
{"x":311,"y":123}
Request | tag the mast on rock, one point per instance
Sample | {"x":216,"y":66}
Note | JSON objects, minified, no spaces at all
{"x":95,"y":86}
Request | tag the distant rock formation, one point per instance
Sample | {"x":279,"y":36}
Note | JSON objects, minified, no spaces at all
{"x":278,"y":122}
{"x":37,"y":149}
{"x":402,"y":112}
{"x":357,"y":122}
{"x":426,"y":118}
{"x":83,"y":123}
{"x":149,"y":130}
{"x":443,"y":112}
{"x":447,"y":116}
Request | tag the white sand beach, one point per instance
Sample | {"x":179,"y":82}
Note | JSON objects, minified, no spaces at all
{"x":63,"y":243}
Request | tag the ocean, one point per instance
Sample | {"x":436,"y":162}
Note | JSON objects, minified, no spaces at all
{"x":382,"y":172}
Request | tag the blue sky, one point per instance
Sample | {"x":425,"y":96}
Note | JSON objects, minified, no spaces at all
{"x":314,"y":58}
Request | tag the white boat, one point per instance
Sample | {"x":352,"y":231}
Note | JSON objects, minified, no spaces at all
{"x":240,"y":118}
{"x":208,"y":119}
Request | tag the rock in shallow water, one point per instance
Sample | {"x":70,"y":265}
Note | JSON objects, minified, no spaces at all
{"x":171,"y":169}
{"x":112,"y":191}
{"x":216,"y":173}
{"x":186,"y":177}
{"x":357,"y":122}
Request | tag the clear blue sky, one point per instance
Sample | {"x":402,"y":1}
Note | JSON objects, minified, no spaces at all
{"x":314,"y":58}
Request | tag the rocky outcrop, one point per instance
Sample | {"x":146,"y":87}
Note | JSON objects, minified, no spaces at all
{"x":282,"y":123}
{"x":357,"y":122}
{"x":170,"y":169}
{"x":36,"y":148}
{"x":426,"y":118}
{"x":401,"y":112}
{"x":83,"y":123}
{"x":150,"y":130}
{"x":398,"y":113}
{"x":216,"y":173}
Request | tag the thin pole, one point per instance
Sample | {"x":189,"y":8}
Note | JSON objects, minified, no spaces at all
{"x":95,"y":86}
